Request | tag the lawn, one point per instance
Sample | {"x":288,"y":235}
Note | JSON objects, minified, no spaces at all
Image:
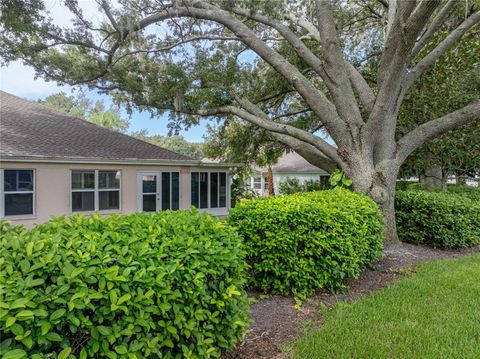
{"x":434,"y":313}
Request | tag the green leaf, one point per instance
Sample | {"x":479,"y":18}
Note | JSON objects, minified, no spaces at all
{"x":44,"y":327}
{"x":10,"y":321}
{"x":124,"y":298}
{"x":53,"y":337}
{"x":14,"y":354}
{"x":65,"y":353}
{"x":121,"y":349}
{"x":24,"y":314}
{"x":57,"y":314}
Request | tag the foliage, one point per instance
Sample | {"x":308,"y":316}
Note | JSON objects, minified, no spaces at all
{"x":163,"y":285}
{"x":175,"y":143}
{"x":466,"y":191}
{"x":293,"y":185}
{"x":339,"y":180}
{"x":452,"y":82}
{"x":85,"y":108}
{"x":438,"y":219}
{"x":432,"y":314}
{"x":239,"y":192}
{"x":302,"y":242}
{"x":409,"y":185}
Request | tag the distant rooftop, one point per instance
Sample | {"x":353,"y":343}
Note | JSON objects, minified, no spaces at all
{"x":292,"y":162}
{"x":29,"y":129}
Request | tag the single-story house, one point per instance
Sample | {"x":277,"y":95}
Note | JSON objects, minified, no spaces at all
{"x":289,"y":165}
{"x":54,"y":164}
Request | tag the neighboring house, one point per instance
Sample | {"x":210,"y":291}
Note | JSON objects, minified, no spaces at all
{"x":290,"y":165}
{"x":55,"y":164}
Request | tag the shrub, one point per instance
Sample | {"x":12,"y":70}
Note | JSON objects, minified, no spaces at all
{"x":167,"y":285}
{"x":302,"y":242}
{"x":438,"y":219}
{"x":470,"y":192}
{"x":293,"y":185}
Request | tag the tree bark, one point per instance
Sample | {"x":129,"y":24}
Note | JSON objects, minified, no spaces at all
{"x":388,"y":211}
{"x":433,"y":178}
{"x":271,"y":189}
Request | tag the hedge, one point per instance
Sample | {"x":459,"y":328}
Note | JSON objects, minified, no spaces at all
{"x":167,"y":285}
{"x":302,"y":242}
{"x":470,"y":192}
{"x":438,"y":219}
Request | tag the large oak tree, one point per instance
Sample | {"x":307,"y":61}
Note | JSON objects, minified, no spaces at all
{"x":288,"y":66}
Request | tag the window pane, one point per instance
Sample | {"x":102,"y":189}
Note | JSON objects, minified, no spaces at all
{"x":257,"y":182}
{"x":165,"y":190}
{"x":203,"y":189}
{"x":108,"y":179}
{"x":149,"y":184}
{"x":194,"y":191}
{"x":83,"y":201}
{"x":265,"y":186}
{"x":149,"y":202}
{"x":109,"y":200}
{"x":83,"y":179}
{"x":214,"y":190}
{"x":18,"y":204}
{"x":223,"y":190}
{"x":18,"y":180}
{"x":175,"y":190}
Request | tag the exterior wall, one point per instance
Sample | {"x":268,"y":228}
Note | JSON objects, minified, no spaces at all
{"x":281,"y":177}
{"x":53,"y":188}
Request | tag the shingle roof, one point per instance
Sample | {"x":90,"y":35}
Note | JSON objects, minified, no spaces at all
{"x":29,"y":129}
{"x":292,"y":162}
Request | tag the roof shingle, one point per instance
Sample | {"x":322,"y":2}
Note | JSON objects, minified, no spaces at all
{"x":29,"y":129}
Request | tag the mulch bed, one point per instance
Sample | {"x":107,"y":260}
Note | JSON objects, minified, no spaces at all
{"x":277,"y":323}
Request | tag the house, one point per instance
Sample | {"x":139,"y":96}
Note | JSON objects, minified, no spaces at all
{"x":289,"y":165}
{"x":54,"y":164}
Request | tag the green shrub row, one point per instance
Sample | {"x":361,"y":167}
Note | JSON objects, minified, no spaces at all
{"x":167,"y":285}
{"x":438,"y":219}
{"x":470,"y":192}
{"x":302,"y":242}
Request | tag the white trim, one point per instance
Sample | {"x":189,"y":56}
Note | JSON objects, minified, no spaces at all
{"x":33,"y":192}
{"x":147,"y":162}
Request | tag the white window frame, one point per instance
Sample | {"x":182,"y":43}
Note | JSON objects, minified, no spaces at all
{"x":209,"y":204}
{"x":3,"y":193}
{"x":96,"y":190}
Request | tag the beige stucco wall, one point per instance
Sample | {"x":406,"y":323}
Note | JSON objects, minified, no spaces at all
{"x":53,"y":187}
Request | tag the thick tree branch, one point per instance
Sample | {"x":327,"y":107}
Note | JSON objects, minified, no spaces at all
{"x":423,"y":133}
{"x":434,"y":26}
{"x":441,"y":48}
{"x":363,"y":90}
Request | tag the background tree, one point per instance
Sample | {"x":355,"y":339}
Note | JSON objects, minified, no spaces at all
{"x":174,"y":143}
{"x":93,"y":111}
{"x":452,"y":82}
{"x":288,"y":67}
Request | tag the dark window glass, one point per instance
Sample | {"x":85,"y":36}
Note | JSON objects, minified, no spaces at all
{"x":257,"y":183}
{"x":203,"y":189}
{"x":108,"y":200}
{"x":175,"y":190}
{"x":222,"y":190}
{"x":83,"y":179}
{"x":18,"y":180}
{"x":166,"y":190}
{"x":194,"y":192}
{"x":214,"y":190}
{"x":149,"y":184}
{"x":108,"y":179}
{"x":83,"y":201}
{"x":18,"y":204}
{"x":149,"y":202}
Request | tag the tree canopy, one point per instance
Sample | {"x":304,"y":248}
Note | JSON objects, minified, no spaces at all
{"x":290,"y":67}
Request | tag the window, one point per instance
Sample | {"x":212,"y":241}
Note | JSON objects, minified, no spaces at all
{"x":18,"y":188}
{"x":209,"y":189}
{"x":265,"y":186}
{"x":159,"y":191}
{"x":95,"y":190}
{"x":257,"y":183}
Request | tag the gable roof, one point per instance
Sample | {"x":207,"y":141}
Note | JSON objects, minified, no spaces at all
{"x":292,"y":162}
{"x":31,"y":130}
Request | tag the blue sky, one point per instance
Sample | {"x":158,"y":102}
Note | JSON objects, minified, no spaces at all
{"x":20,"y":80}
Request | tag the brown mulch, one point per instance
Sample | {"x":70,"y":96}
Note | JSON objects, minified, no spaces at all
{"x":277,"y":323}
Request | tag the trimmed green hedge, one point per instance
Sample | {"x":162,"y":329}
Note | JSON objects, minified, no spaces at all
{"x":438,"y":219}
{"x":302,"y":242}
{"x":167,"y":285}
{"x":470,"y":192}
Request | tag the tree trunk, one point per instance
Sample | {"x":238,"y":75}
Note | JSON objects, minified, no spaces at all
{"x":271,"y":189}
{"x":433,"y":178}
{"x":388,"y":211}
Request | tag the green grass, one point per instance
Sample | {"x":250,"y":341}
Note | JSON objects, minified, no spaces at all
{"x":432,"y":314}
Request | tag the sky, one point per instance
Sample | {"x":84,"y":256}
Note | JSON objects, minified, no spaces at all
{"x":19,"y":80}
